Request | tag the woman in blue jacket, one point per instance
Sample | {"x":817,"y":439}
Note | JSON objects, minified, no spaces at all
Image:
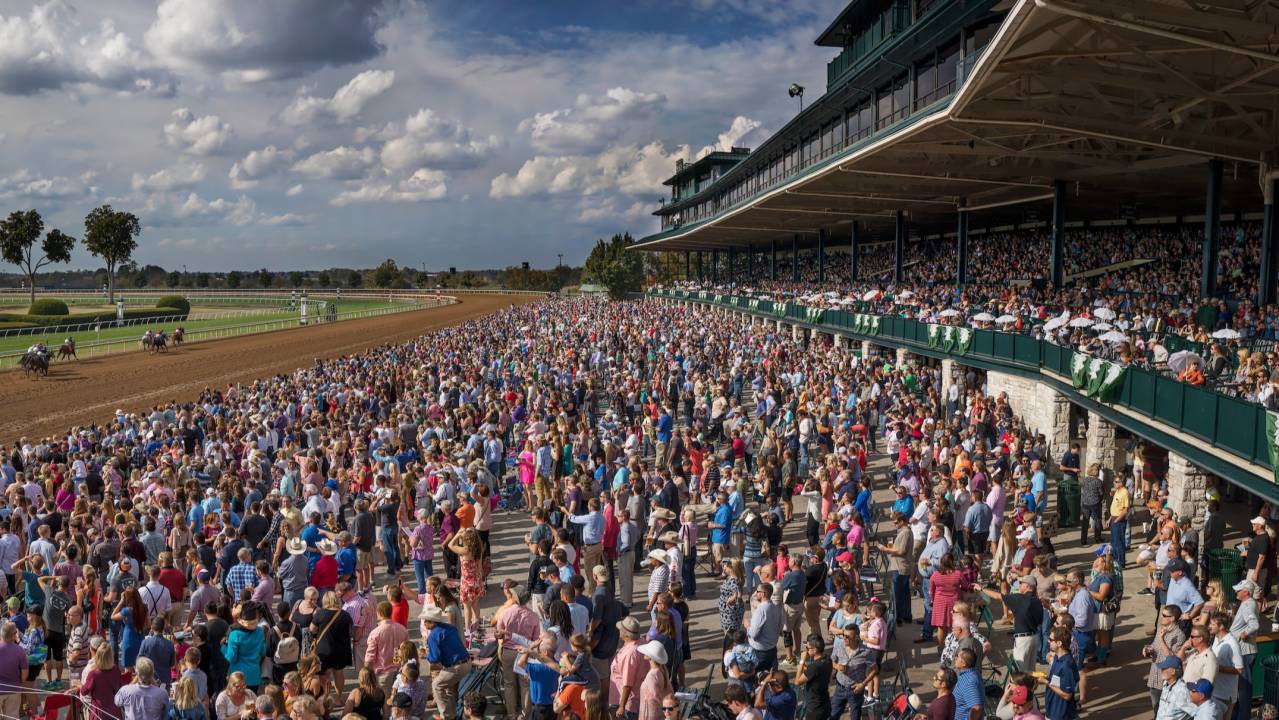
{"x":245,"y":647}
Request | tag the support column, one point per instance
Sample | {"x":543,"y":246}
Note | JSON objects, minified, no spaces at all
{"x":701,"y":277}
{"x":903,"y":357}
{"x":947,"y":379}
{"x":853,"y":250}
{"x":1186,"y":487}
{"x":732,"y":258}
{"x":688,"y":265}
{"x":899,"y":246}
{"x":1102,"y":448}
{"x":772,"y":260}
{"x":1212,"y":228}
{"x":821,"y":254}
{"x":865,"y":350}
{"x":961,"y":240}
{"x":794,"y":258}
{"x":1266,"y":293}
{"x":715,"y":266}
{"x":796,"y":332}
{"x":1058,"y":247}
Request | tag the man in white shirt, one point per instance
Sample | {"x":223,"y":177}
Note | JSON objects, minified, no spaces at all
{"x":1229,"y":661}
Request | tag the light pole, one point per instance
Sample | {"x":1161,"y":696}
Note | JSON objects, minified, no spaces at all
{"x":797,"y":91}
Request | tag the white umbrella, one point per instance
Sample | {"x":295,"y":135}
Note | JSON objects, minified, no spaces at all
{"x":1178,"y":361}
{"x":1104,"y":313}
{"x":1054,"y":324}
{"x":906,"y":294}
{"x":1080,"y":322}
{"x":1114,"y":336}
{"x":870,"y":295}
{"x":984,"y":317}
{"x":1227,"y":334}
{"x":948,"y":312}
{"x":1102,"y":327}
{"x":1005,"y":319}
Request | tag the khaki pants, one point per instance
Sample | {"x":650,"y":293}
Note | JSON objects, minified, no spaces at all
{"x":444,"y":682}
{"x":1025,"y":650}
{"x":9,"y":704}
{"x":387,"y":682}
{"x":514,"y":687}
{"x":360,"y":646}
{"x":592,"y":555}
{"x":626,"y":577}
{"x":602,"y":668}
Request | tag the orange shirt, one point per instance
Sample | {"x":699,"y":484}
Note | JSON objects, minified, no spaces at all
{"x":466,"y":515}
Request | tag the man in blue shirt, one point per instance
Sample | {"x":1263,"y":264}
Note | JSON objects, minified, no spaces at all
{"x":592,"y":539}
{"x":969,"y":696}
{"x":720,"y":525}
{"x":449,"y":660}
{"x":904,"y":503}
{"x":1063,"y":677}
{"x":1038,"y":483}
{"x":977,"y":525}
{"x":776,"y":697}
{"x":543,"y":678}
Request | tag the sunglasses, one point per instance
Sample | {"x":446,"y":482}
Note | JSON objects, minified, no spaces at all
{"x":666,"y":708}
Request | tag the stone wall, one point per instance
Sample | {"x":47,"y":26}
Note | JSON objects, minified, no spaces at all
{"x":1042,"y":409}
{"x":1186,"y":487}
{"x":1102,"y":446}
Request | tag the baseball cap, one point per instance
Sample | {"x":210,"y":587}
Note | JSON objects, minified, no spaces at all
{"x":1020,"y":695}
{"x":1258,"y":520}
{"x":402,"y":700}
{"x":1172,"y":661}
{"x":1202,"y":686}
{"x":1028,"y":581}
{"x":1103,"y":550}
{"x":1176,"y":565}
{"x":1246,"y":584}
{"x":844,"y":557}
{"x":1027,"y":534}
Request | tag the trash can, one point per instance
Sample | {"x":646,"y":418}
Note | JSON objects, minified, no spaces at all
{"x":1226,"y":565}
{"x":1067,"y":503}
{"x":1270,"y":680}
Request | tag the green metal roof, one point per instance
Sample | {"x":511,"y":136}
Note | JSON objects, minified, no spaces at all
{"x":718,"y":157}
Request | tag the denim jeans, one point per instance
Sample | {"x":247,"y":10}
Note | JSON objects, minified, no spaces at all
{"x":927,"y":631}
{"x":1243,"y":705}
{"x":1119,"y":542}
{"x":1086,"y":640}
{"x":391,"y":546}
{"x":422,"y":569}
{"x":845,"y":699}
{"x":749,"y":564}
{"x":688,"y":571}
{"x":1044,"y":626}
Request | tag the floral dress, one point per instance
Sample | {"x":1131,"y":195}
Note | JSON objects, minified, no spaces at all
{"x":472,"y":585}
{"x":731,"y":611}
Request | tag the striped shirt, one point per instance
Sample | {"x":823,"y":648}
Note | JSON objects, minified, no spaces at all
{"x":967,"y":692}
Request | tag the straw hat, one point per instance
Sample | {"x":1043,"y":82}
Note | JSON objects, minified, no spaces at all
{"x":435,"y":615}
{"x":295,"y":546}
{"x":659,"y":555}
{"x":327,"y":547}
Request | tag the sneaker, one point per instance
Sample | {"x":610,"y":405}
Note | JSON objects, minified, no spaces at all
{"x":1145,"y":591}
{"x":869,"y":701}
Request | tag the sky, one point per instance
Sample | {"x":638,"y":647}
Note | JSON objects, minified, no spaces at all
{"x":306,"y":134}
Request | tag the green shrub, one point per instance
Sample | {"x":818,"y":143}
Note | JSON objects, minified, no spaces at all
{"x":169,"y":314}
{"x":48,"y":306}
{"x":174,"y":301}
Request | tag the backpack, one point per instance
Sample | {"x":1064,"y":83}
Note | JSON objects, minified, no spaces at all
{"x":287,"y":651}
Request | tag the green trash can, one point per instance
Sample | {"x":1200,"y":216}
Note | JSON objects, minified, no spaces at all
{"x":1226,"y":565}
{"x":1270,"y":680}
{"x":1067,"y":503}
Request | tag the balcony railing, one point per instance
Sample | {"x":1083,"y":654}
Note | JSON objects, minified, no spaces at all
{"x":1232,"y":425}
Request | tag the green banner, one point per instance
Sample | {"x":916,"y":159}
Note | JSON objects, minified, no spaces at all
{"x":965,"y":341}
{"x":1079,"y":370}
{"x":948,"y":338}
{"x":779,"y":309}
{"x":874,"y":325}
{"x":1112,"y":382}
{"x":934,"y":335}
{"x":1096,"y":373}
{"x":1272,"y":434}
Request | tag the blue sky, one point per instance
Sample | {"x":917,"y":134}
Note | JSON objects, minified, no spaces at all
{"x":471,"y":134}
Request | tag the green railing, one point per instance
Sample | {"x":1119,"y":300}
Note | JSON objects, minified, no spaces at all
{"x":1230,"y":424}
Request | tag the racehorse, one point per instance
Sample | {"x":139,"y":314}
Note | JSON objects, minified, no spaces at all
{"x":67,"y":350}
{"x":35,"y":361}
{"x":155,"y":341}
{"x":178,"y":332}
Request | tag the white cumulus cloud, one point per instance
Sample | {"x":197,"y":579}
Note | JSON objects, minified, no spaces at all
{"x":340,"y":163}
{"x":294,"y":191}
{"x":196,"y":210}
{"x":592,"y":123}
{"x":285,"y":220}
{"x":25,"y":185}
{"x":421,"y":186}
{"x":347,"y":103}
{"x":259,"y":164}
{"x":184,"y":174}
{"x":205,"y":135}
{"x":428,"y":140}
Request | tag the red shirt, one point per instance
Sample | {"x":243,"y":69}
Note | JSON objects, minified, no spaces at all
{"x":400,"y":612}
{"x":174,"y":582}
{"x":325,"y":574}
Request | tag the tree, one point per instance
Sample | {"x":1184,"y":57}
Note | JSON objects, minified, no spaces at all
{"x":355,"y":279}
{"x":264,"y":278}
{"x":614,"y":265}
{"x":111,"y":235}
{"x":233,"y":279}
{"x":295,"y":279}
{"x":173,"y":279}
{"x":18,"y":235}
{"x":324,"y":280}
{"x":387,"y":274}
{"x":202,"y":280}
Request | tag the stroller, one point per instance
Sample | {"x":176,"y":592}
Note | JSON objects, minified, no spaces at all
{"x":511,"y":494}
{"x":485,"y":679}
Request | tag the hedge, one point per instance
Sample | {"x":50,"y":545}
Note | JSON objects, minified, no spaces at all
{"x":106,"y":316}
{"x":174,"y":301}
{"x":48,"y":307}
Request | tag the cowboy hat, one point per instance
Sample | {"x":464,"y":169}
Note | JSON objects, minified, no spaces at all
{"x":659,"y":555}
{"x":435,"y":615}
{"x":669,"y":537}
{"x":327,"y":547}
{"x":295,"y":546}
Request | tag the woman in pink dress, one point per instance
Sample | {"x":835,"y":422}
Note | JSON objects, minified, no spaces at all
{"x":656,"y":685}
{"x":528,"y":471}
{"x":945,"y":587}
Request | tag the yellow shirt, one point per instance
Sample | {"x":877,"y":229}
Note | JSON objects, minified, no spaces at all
{"x":1119,"y":502}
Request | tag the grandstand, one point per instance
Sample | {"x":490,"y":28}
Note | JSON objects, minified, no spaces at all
{"x":1028,"y":159}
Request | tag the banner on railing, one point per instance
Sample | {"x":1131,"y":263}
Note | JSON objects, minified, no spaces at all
{"x":814,"y":315}
{"x":963,"y":340}
{"x":779,"y":309}
{"x":1099,"y":378}
{"x":934,"y":336}
{"x":1272,"y":440}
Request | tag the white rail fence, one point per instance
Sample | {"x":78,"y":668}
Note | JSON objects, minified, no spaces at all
{"x":102,"y":347}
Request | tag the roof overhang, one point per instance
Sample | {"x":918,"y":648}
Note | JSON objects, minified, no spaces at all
{"x":1124,"y":100}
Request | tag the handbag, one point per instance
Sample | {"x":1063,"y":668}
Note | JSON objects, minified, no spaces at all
{"x":319,"y":638}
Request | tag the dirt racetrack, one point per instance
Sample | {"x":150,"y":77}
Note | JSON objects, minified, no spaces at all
{"x":80,"y":392}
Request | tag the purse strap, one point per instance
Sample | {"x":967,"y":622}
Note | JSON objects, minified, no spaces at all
{"x":319,"y":638}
